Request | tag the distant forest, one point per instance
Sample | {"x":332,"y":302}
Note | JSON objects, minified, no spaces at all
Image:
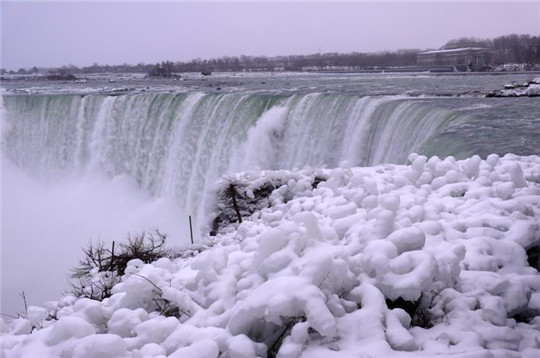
{"x":520,"y":49}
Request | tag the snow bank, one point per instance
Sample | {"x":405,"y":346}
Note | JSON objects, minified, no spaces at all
{"x":418,"y":260}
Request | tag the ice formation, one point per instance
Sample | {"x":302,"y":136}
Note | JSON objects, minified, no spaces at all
{"x":394,"y":260}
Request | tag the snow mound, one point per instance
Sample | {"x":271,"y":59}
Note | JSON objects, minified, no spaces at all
{"x":435,"y":257}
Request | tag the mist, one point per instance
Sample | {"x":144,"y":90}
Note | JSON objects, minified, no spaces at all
{"x":45,"y":226}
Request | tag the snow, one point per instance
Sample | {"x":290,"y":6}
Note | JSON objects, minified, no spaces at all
{"x":329,"y":264}
{"x":533,"y":90}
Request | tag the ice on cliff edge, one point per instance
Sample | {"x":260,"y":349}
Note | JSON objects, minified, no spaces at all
{"x":319,"y":266}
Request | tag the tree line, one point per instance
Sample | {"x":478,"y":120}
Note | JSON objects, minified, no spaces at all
{"x":510,"y":49}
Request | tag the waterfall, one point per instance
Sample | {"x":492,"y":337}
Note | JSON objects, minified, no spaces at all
{"x":177,"y":145}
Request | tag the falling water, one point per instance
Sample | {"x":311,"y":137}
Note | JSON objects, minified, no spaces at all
{"x":177,"y":145}
{"x":96,"y":167}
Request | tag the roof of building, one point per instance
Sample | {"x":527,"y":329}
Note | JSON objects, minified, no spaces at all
{"x":454,"y":50}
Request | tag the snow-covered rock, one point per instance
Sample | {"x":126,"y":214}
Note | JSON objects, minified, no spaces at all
{"x":527,"y":89}
{"x":415,"y":260}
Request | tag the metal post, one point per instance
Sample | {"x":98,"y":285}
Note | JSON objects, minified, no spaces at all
{"x":111,"y":264}
{"x":191,"y":230}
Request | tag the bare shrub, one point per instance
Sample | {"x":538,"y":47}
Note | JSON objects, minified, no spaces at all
{"x":101,"y":268}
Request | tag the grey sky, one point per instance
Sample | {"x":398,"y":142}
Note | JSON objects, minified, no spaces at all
{"x":81,"y":33}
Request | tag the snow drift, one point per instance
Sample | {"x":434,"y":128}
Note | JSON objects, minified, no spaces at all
{"x":393,"y":260}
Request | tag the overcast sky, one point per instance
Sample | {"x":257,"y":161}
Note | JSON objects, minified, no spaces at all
{"x":82,"y":33}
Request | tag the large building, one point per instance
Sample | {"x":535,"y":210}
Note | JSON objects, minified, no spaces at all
{"x":462,"y":58}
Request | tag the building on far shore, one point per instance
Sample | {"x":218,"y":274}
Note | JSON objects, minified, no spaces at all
{"x":462,"y":59}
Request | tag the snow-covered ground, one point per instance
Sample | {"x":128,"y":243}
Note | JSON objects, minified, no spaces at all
{"x":418,"y":260}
